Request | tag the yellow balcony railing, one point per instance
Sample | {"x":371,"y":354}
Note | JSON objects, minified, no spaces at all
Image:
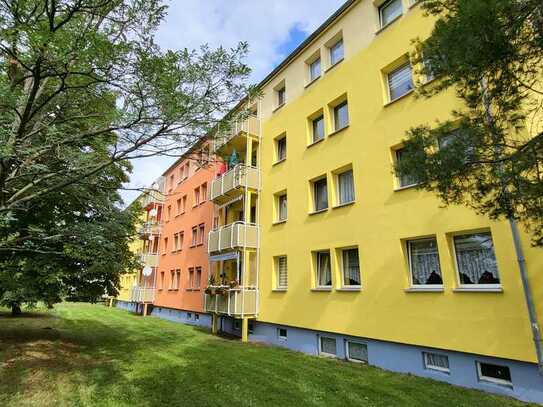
{"x":249,"y":126}
{"x":237,"y":235}
{"x":149,"y":259}
{"x":140,"y":294}
{"x":233,"y":182}
{"x":149,"y":228}
{"x":236,"y":302}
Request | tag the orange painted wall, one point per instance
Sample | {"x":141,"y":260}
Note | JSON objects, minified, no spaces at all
{"x":183,"y":296}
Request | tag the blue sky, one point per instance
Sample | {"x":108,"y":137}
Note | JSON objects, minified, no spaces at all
{"x":272,"y":28}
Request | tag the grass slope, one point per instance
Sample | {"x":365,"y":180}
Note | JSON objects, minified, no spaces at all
{"x":85,"y":355}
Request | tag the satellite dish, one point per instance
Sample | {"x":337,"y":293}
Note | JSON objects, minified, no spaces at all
{"x":147,"y":271}
{"x":151,"y":237}
{"x":153,"y":212}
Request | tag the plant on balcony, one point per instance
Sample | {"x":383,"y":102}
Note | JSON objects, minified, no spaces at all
{"x":233,"y":284}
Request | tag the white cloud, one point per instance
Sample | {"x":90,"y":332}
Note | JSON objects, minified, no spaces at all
{"x":264,"y":24}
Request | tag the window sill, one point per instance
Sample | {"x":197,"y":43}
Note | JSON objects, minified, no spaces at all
{"x":317,"y":212}
{"x":315,"y":142}
{"x":478,"y":290}
{"x":279,"y":162}
{"x":354,"y":289}
{"x":412,"y":186}
{"x":279,"y":107}
{"x":391,"y":102}
{"x":322,"y":289}
{"x":424,"y":290}
{"x":383,"y":28}
{"x":343,"y":205}
{"x":279,"y":222}
{"x":333,"y":66}
{"x":279,"y":290}
{"x":307,"y":85}
{"x":338,"y":131}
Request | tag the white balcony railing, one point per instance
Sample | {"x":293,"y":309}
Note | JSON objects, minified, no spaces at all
{"x":236,"y":302}
{"x":241,"y":176}
{"x":149,"y":259}
{"x":154,"y":194}
{"x":150,"y":228}
{"x":250,"y":126}
{"x":140,"y":294}
{"x":234,"y":236}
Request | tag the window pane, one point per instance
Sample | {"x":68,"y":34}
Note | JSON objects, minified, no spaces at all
{"x":282,"y":276}
{"x":328,"y":345}
{"x":281,"y":96}
{"x":495,"y":372}
{"x":351,"y":267}
{"x":336,"y":52}
{"x":436,"y":361}
{"x":324,"y":272}
{"x":318,"y":129}
{"x":357,"y":351}
{"x":341,"y":116}
{"x":346,"y":187}
{"x":321,"y":195}
{"x":389,"y":11}
{"x":282,"y":207}
{"x":476,"y":259}
{"x":424,"y":262}
{"x":315,"y":69}
{"x":400,"y":81}
{"x":405,"y":180}
{"x":281,"y":149}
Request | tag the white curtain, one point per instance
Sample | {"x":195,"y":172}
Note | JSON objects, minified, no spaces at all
{"x":476,"y":259}
{"x":351,"y":267}
{"x":324,"y":270}
{"x":346,"y":187}
{"x":424,"y":257}
{"x":400,"y":81}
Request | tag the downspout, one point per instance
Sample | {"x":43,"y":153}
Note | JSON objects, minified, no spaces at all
{"x":521,"y":260}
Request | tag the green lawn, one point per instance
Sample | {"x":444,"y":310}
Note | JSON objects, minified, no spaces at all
{"x":90,"y":355}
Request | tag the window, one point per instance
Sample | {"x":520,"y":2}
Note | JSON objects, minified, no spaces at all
{"x":318,"y":128}
{"x":436,"y":361}
{"x":328,"y":346}
{"x":350,"y":267}
{"x":162,"y":275}
{"x":282,"y":334}
{"x":336,"y":52}
{"x":324,"y":270}
{"x":172,"y":181}
{"x":184,"y":204}
{"x":320,"y":195}
{"x":177,"y":279}
{"x":429,"y":71}
{"x":237,"y":325}
{"x":175,"y":242}
{"x":201,"y":233}
{"x":189,"y":315}
{"x":281,"y":96}
{"x":494,"y":373}
{"x":341,"y":116}
{"x":169,"y":213}
{"x":400,"y":81}
{"x":475,"y":259}
{"x":389,"y":11}
{"x":216,"y":221}
{"x":282,"y":208}
{"x":179,"y":206}
{"x":281,"y":272}
{"x":191,"y":277}
{"x":194,"y":235}
{"x":315,"y":70}
{"x":357,"y":352}
{"x":198,"y":278}
{"x":165,"y":245}
{"x":424,"y":268}
{"x":203,"y":193}
{"x":196,"y":317}
{"x":172,"y":279}
{"x":197,"y":196}
{"x":345,"y":184}
{"x":404,"y":180}
{"x":281,"y":148}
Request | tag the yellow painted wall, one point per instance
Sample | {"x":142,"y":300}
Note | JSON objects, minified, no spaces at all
{"x":494,"y":324}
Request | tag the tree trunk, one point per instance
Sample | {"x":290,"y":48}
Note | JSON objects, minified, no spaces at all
{"x":16,"y":310}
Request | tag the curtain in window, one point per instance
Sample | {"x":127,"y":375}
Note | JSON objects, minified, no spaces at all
{"x":400,"y":81}
{"x":405,"y":179}
{"x":351,"y":267}
{"x":324,"y":270}
{"x":346,"y":187}
{"x":390,"y":10}
{"x":336,"y":52}
{"x":318,"y":129}
{"x":282,"y":281}
{"x":321,"y":195}
{"x":476,"y":259}
{"x":424,"y":262}
{"x":283,"y":207}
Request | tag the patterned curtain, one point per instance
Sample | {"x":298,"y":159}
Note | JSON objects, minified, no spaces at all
{"x":424,"y":259}
{"x":476,"y":259}
{"x":351,"y":267}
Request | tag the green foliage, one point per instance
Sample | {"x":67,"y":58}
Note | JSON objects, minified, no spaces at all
{"x":491,"y":54}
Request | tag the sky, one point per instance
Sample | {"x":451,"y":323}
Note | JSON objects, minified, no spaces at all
{"x":271,"y":28}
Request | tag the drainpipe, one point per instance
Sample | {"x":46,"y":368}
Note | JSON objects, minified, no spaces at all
{"x":521,"y":260}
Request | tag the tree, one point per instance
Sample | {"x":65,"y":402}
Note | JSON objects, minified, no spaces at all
{"x":489,"y":156}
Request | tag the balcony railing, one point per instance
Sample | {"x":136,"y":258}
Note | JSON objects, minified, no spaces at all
{"x":149,"y":259}
{"x":232,"y":182}
{"x":250,"y":126}
{"x":234,"y":236}
{"x":149,"y":228}
{"x":140,"y":294}
{"x":154,"y":194}
{"x":237,"y":302}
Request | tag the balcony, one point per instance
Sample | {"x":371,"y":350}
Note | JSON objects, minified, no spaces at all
{"x":149,"y":259}
{"x":236,"y":302}
{"x":142,"y":295}
{"x":154,"y":194}
{"x":231,"y":184}
{"x":237,"y":235}
{"x":149,"y":229}
{"x":250,"y":126}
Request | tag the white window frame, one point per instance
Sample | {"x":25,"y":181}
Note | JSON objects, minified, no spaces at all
{"x":347,"y":344}
{"x":429,"y":366}
{"x":481,"y":287}
{"x":314,"y":127}
{"x":382,"y":7}
{"x":281,"y":91}
{"x":310,"y":67}
{"x":331,"y":48}
{"x":338,"y":190}
{"x":281,"y":337}
{"x":279,"y":218}
{"x":399,"y":185}
{"x":277,"y":149}
{"x":409,"y":259}
{"x":487,"y":379}
{"x":397,"y":68}
{"x":318,"y":271}
{"x":342,"y":250}
{"x":278,"y":285}
{"x":326,"y":354}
